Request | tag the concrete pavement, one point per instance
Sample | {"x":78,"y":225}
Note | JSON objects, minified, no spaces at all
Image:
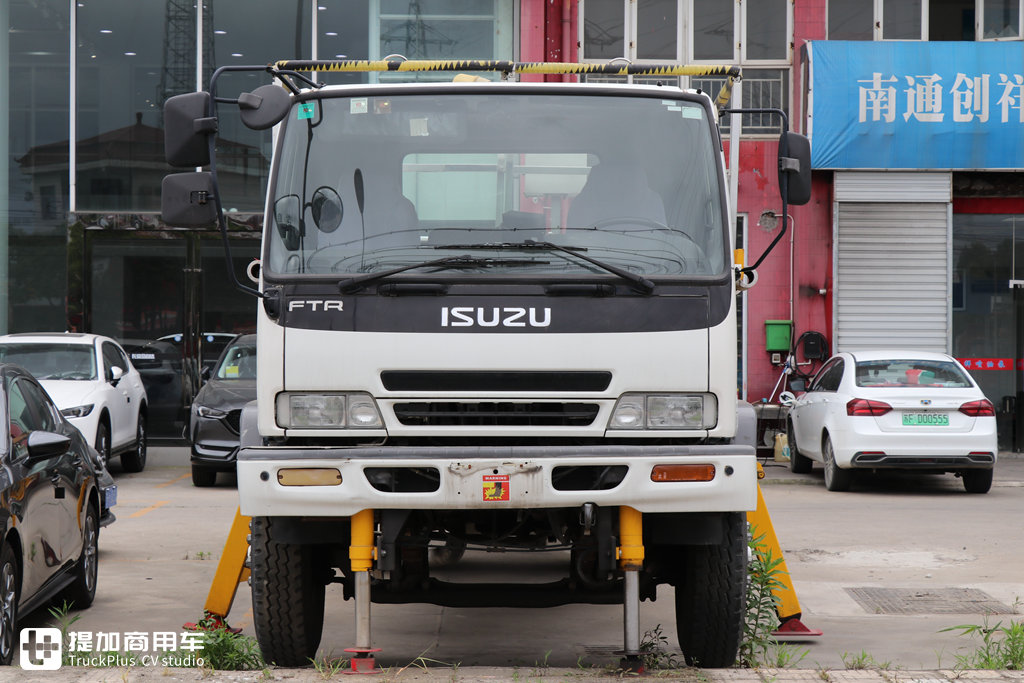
{"x":832,"y":542}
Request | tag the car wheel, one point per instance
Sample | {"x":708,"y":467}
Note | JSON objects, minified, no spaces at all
{"x":103,"y":442}
{"x":836,"y":479}
{"x":81,"y":593}
{"x":203,"y":477}
{"x":977,"y":481}
{"x":798,"y":463}
{"x":135,"y":461}
{"x":10,"y":586}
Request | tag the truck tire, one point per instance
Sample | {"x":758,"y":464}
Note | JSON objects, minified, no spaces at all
{"x":711,"y":598}
{"x":287,"y":597}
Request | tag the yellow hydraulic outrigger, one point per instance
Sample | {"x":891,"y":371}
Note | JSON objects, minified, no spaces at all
{"x":231,"y":569}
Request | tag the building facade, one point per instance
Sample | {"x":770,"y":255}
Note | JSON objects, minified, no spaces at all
{"x":82,"y":246}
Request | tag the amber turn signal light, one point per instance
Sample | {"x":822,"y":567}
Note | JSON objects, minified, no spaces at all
{"x":683,"y":473}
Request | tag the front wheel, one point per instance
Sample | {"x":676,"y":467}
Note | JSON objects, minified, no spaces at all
{"x":202,"y":477}
{"x":836,"y":478}
{"x":799,"y":464}
{"x":10,"y":587}
{"x":103,"y":442}
{"x":287,"y":597}
{"x":82,"y":592}
{"x":711,"y":598}
{"x":977,"y":481}
{"x":135,"y":460}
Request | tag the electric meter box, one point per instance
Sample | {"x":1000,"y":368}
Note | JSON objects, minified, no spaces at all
{"x":778,"y":335}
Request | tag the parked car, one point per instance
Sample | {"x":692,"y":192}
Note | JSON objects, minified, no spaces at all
{"x":95,"y":386}
{"x":904,"y":410}
{"x":52,"y":501}
{"x":216,"y":412}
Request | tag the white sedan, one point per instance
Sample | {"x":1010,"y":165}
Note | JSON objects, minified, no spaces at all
{"x":904,"y":410}
{"x":95,"y":386}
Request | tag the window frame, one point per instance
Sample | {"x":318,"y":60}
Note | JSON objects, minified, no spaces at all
{"x":878,"y":22}
{"x":685,"y":47}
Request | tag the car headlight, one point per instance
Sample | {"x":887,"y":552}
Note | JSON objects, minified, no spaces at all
{"x":327,"y":411}
{"x":77,"y":411}
{"x":664,"y":411}
{"x":208,"y":412}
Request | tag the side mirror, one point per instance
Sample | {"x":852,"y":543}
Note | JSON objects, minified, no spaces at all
{"x":327,"y":209}
{"x":787,"y":398}
{"x":798,"y":385}
{"x":264,"y":107}
{"x":205,"y":373}
{"x":115,"y":375}
{"x":46,"y":445}
{"x":287,"y":213}
{"x":188,"y":125}
{"x":188,"y":199}
{"x":795,"y":168}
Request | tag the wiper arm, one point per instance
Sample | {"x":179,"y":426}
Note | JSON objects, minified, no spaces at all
{"x":639,"y":281}
{"x":464,"y":261}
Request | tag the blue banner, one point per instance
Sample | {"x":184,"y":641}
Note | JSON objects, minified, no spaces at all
{"x":916,"y":105}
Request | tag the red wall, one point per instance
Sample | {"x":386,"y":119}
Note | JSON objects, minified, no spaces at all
{"x":810,"y":233}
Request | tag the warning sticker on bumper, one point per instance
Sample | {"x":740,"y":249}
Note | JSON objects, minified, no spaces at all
{"x":496,"y":487}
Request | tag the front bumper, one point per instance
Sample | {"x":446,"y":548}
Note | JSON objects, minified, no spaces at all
{"x":467,"y":476}
{"x":214,"y":446}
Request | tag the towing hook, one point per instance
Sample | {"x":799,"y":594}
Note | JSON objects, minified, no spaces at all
{"x":588,"y":516}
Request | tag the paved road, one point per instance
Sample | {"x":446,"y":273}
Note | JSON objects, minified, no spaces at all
{"x":925,"y":539}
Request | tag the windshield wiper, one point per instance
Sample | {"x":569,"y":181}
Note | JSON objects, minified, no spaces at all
{"x":464,"y":261}
{"x":639,"y":281}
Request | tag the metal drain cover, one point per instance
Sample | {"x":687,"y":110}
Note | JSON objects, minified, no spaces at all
{"x":927,"y":601}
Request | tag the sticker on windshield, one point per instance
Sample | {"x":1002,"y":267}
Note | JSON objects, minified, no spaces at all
{"x":496,"y":487}
{"x":358,"y":105}
{"x":692,"y":113}
{"x":307,"y":110}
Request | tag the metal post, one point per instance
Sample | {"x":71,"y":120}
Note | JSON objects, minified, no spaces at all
{"x":361,"y":554}
{"x":631,"y":560}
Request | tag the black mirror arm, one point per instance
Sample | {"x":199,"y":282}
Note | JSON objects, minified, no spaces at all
{"x":785,"y":163}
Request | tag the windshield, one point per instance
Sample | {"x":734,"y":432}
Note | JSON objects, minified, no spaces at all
{"x":372,"y":183}
{"x":911,"y":373}
{"x":52,"y":361}
{"x":238,"y":362}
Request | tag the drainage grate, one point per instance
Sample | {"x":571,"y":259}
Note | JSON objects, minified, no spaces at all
{"x":927,"y":601}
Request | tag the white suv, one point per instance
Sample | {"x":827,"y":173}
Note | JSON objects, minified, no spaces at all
{"x":95,"y":386}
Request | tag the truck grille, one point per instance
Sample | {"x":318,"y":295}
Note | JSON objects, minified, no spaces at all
{"x":423,"y":380}
{"x":502,"y":414}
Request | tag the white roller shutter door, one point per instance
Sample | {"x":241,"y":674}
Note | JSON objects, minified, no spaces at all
{"x":892,"y":270}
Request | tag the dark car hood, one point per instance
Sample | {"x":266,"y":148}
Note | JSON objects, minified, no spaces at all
{"x":227,"y":394}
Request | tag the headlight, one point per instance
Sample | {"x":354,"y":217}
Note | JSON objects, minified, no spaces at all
{"x":327,"y":411}
{"x":77,"y":411}
{"x":665,"y":411}
{"x":209,"y":413}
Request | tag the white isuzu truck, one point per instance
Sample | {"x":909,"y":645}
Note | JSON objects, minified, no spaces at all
{"x":494,"y":316}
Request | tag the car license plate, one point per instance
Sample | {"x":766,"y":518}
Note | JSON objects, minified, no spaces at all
{"x":925,"y":420}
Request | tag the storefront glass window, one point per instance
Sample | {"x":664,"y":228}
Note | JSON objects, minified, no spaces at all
{"x":901,"y":20}
{"x":656,"y":29}
{"x":988,"y":252}
{"x":240,"y":36}
{"x":34,"y":176}
{"x":1002,"y":19}
{"x":131,"y":56}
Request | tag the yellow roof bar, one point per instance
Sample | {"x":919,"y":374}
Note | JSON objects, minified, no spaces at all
{"x":615,"y":68}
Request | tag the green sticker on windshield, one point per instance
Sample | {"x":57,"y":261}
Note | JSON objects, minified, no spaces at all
{"x":307,"y":110}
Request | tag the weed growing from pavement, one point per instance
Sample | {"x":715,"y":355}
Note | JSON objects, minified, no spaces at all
{"x":64,"y":624}
{"x":863,"y":660}
{"x":329,"y":665}
{"x":1001,"y":647}
{"x":758,"y":647}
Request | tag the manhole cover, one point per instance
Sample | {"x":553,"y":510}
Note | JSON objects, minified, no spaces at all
{"x":927,"y":601}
